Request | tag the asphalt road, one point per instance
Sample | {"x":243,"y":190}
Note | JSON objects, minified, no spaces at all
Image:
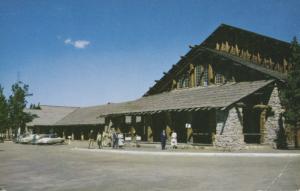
{"x":60,"y":167}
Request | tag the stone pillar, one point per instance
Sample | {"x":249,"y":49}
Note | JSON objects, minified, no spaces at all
{"x":229,"y":129}
{"x":271,"y":124}
{"x":262,"y":125}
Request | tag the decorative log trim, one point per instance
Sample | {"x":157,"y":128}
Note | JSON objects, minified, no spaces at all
{"x":210,"y":74}
{"x":261,"y":106}
{"x":256,"y":58}
{"x":240,"y":104}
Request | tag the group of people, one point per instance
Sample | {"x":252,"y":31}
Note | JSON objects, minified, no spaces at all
{"x":100,"y":139}
{"x":163,"y":139}
{"x":115,"y":139}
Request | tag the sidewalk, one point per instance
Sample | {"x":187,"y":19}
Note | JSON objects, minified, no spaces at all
{"x":204,"y":150}
{"x":176,"y":153}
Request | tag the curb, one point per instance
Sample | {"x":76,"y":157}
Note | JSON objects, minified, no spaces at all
{"x":166,"y":153}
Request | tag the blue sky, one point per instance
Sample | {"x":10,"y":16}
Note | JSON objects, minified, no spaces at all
{"x":83,"y":53}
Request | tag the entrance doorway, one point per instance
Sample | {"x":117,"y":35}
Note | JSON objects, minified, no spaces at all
{"x":203,"y":123}
{"x":251,"y":125}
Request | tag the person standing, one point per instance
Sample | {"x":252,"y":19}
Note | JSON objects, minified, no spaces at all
{"x":91,"y":138}
{"x":114,"y":139}
{"x":99,"y":140}
{"x":174,"y":139}
{"x":163,"y":139}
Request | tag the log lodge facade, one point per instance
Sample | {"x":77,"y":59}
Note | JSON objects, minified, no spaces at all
{"x":223,"y":92}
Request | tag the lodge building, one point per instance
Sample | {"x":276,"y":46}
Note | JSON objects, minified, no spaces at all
{"x":224,"y":92}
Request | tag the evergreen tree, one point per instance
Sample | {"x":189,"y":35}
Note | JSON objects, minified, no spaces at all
{"x":33,"y":106}
{"x":291,"y":92}
{"x":16,"y":105}
{"x":3,"y":112}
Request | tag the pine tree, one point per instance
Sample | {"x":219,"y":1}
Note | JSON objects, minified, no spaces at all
{"x":291,"y":92}
{"x":16,"y":106}
{"x":3,"y":112}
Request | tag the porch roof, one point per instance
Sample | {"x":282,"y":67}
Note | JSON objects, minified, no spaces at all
{"x":189,"y":99}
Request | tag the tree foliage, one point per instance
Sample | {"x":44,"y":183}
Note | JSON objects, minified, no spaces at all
{"x":3,"y":111}
{"x":34,"y":106}
{"x":16,"y":106}
{"x":291,"y":92}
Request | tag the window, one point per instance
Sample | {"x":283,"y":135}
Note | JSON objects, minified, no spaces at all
{"x":183,"y":82}
{"x":219,"y":78}
{"x":205,"y":76}
{"x":198,"y":75}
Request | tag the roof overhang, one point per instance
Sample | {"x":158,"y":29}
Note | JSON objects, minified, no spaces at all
{"x":192,"y":99}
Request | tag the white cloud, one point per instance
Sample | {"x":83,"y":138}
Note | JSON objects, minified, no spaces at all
{"x":68,"y":41}
{"x":81,"y":43}
{"x":77,"y":43}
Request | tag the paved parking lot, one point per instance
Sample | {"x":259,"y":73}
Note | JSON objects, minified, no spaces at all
{"x":61,"y":167}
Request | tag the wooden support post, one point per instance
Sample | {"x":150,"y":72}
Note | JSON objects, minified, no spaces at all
{"x":168,"y":118}
{"x":63,"y":134}
{"x":192,"y":76}
{"x":210,"y":74}
{"x":189,"y":133}
{"x":82,"y":136}
{"x":148,"y":126}
{"x":132,"y":133}
{"x":149,"y":134}
{"x":174,"y":84}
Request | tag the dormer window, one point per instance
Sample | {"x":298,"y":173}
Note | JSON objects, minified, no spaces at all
{"x":205,"y":76}
{"x":219,"y":79}
{"x":198,"y":75}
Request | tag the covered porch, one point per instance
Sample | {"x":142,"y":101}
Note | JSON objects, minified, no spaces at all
{"x":230,"y":115}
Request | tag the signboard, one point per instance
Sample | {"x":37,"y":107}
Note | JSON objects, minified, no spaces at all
{"x":188,"y":125}
{"x":138,"y":119}
{"x":138,"y":138}
{"x":127,"y":119}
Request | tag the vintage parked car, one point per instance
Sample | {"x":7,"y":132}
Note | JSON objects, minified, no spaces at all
{"x":50,"y":139}
{"x":25,"y":139}
{"x":29,"y":138}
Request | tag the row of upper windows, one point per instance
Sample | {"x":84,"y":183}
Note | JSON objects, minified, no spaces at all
{"x":201,"y":78}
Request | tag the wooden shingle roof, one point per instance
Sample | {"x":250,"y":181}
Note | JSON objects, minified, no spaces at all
{"x":267,"y":47}
{"x":49,"y":115}
{"x":218,"y":97}
{"x":198,"y":98}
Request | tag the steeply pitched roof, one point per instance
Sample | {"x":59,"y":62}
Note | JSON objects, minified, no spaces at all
{"x":267,"y":47}
{"x":253,"y":42}
{"x":49,"y":115}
